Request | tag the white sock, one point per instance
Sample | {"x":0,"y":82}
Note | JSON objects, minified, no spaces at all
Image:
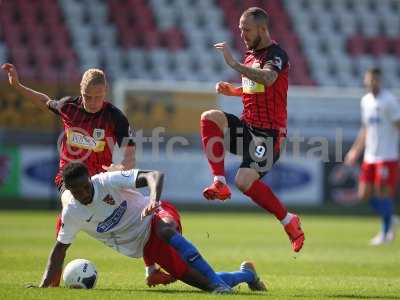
{"x":286,"y":220}
{"x":220,"y":178}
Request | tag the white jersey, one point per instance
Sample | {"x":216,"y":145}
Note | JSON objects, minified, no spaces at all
{"x":378,"y":116}
{"x":113,"y":217}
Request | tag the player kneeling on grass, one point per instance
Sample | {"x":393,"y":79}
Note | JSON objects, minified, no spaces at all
{"x":109,"y":208}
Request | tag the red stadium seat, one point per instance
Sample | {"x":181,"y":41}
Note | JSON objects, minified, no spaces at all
{"x":396,"y":46}
{"x":133,"y":18}
{"x":378,"y":45}
{"x":36,"y":36}
{"x":356,"y":45}
{"x":173,"y":39}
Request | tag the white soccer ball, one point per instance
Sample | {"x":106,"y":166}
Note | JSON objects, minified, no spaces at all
{"x":80,"y":274}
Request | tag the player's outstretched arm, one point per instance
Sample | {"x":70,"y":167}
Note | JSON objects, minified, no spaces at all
{"x":13,"y":79}
{"x":52,"y":274}
{"x":228,"y":89}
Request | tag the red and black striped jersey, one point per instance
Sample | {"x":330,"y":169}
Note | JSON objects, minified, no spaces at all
{"x":89,"y":137}
{"x":265,"y":107}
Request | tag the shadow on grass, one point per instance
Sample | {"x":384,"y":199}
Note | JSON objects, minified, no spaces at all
{"x":351,"y":296}
{"x":177,"y":291}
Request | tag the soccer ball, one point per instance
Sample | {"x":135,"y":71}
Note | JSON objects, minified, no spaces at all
{"x":80,"y":274}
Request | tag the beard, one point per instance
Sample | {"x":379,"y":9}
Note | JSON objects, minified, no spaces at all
{"x":255,"y":43}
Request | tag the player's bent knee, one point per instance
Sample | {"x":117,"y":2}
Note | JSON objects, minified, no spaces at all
{"x":212,"y":115}
{"x":165,"y":231}
{"x":245,"y":178}
{"x":242,"y":183}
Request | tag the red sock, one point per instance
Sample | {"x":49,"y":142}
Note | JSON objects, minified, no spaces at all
{"x":261,"y":194}
{"x":210,"y":132}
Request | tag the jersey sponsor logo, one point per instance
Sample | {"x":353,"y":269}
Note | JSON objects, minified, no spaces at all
{"x":113,"y":219}
{"x":99,"y":134}
{"x":82,"y":141}
{"x":251,"y":87}
{"x":109,"y":200}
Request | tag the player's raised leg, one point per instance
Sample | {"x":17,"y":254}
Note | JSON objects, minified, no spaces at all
{"x":247,"y":180}
{"x":213,"y":123}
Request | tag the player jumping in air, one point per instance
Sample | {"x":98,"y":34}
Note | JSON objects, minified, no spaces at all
{"x":258,"y":134}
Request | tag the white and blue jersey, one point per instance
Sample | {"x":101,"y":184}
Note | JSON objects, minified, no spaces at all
{"x":382,"y":136}
{"x":113,"y":217}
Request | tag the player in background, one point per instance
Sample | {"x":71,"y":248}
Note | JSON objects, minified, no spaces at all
{"x":379,"y":139}
{"x":108,"y":207}
{"x":262,"y":126}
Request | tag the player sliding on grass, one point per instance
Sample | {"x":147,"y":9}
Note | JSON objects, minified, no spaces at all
{"x":109,"y":208}
{"x":258,"y":134}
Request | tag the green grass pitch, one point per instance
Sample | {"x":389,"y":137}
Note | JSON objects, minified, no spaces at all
{"x":335,"y":263}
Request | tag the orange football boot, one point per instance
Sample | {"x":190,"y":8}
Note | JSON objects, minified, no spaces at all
{"x":296,"y":235}
{"x":217,"y":190}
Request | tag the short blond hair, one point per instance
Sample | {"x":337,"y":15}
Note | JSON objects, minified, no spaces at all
{"x":93,"y":77}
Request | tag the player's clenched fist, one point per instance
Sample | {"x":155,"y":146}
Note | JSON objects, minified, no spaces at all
{"x":225,"y":88}
{"x":12,"y":74}
{"x":228,"y":89}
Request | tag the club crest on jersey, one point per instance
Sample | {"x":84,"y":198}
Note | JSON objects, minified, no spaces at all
{"x":277,"y":62}
{"x":127,"y":173}
{"x":109,"y":200}
{"x":99,"y":134}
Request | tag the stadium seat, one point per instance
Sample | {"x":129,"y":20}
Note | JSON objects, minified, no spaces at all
{"x":328,"y":41}
{"x":35,"y":33}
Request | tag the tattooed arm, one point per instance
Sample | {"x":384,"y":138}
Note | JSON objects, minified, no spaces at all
{"x":265,"y":76}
